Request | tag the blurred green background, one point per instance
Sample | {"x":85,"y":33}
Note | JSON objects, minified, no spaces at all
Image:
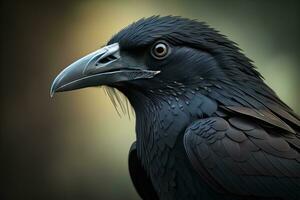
{"x":75,"y":146}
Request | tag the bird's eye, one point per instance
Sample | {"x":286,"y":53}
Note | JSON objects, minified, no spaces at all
{"x":160,"y":50}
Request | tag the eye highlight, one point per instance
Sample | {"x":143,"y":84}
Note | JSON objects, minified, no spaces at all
{"x":160,"y":50}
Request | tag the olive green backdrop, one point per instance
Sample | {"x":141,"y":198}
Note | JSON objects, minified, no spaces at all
{"x":75,"y":146}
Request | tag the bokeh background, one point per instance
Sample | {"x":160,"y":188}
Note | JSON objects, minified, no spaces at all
{"x":75,"y":146}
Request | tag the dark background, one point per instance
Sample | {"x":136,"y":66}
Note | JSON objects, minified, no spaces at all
{"x":75,"y":146}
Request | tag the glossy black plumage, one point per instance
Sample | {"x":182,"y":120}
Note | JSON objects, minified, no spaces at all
{"x":139,"y":176}
{"x":254,"y":141}
{"x":207,"y":126}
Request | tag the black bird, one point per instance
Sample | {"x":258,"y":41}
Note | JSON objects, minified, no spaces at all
{"x":207,"y":126}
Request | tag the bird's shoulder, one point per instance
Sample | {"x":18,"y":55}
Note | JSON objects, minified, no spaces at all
{"x":236,"y":151}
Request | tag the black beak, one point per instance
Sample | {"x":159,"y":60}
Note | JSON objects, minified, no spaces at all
{"x":102,"y":67}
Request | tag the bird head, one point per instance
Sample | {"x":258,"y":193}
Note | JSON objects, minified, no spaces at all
{"x":160,"y":54}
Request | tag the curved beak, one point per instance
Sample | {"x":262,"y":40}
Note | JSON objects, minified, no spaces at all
{"x":102,"y":67}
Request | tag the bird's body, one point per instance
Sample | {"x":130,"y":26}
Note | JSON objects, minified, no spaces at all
{"x":207,"y":126}
{"x":160,"y":129}
{"x":162,"y":124}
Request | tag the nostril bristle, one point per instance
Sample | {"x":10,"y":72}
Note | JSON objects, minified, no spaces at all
{"x":106,"y":59}
{"x":103,"y":60}
{"x":111,"y":57}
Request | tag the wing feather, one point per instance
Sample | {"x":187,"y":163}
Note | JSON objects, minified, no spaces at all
{"x":238,"y":156}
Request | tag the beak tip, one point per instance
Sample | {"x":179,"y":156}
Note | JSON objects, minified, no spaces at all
{"x":53,"y":88}
{"x":52,"y":91}
{"x":51,"y":94}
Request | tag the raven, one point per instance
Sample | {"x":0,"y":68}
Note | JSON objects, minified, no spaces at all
{"x":207,"y":126}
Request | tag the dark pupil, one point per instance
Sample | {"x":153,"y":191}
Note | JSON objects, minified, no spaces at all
{"x":160,"y":50}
